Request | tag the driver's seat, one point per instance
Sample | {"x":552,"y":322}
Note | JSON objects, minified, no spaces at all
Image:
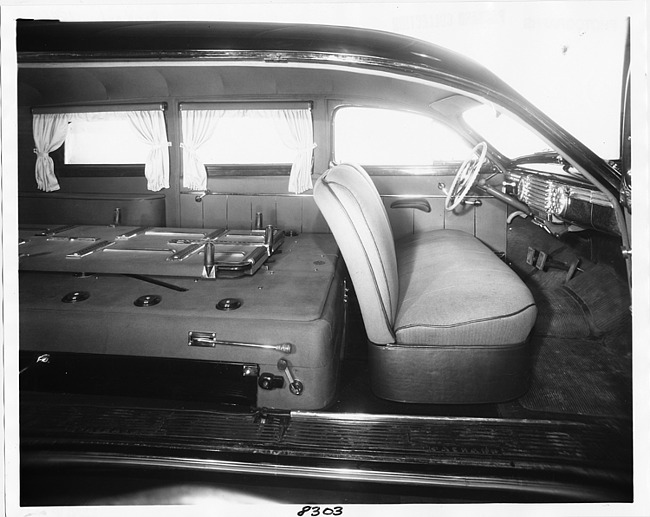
{"x":447,"y":320}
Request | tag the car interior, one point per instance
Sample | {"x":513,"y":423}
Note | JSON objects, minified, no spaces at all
{"x":384,"y":312}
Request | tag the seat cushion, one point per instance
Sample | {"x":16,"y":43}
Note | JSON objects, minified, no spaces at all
{"x":454,"y":291}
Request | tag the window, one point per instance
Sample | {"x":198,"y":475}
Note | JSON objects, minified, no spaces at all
{"x":504,"y":133}
{"x":96,"y":142}
{"x":376,"y":136}
{"x":247,"y":137}
{"x":239,"y":136}
{"x":94,"y":138}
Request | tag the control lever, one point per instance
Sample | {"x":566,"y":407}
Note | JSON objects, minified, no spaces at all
{"x":543,"y":261}
{"x":295,"y":386}
{"x":199,"y":197}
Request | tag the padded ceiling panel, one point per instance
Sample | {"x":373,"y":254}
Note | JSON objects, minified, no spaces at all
{"x":134,"y":83}
{"x":187,"y":83}
{"x":192,"y":82}
{"x":64,"y":85}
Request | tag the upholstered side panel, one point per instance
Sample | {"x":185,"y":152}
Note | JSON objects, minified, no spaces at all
{"x":450,"y":374}
{"x":358,"y":220}
{"x":454,"y":291}
{"x":297,"y":213}
{"x":91,"y":208}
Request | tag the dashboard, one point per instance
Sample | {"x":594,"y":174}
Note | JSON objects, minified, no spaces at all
{"x":562,"y":199}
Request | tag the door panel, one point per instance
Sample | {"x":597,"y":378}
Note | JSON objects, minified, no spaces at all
{"x":462,"y":218}
{"x":434,"y":220}
{"x":401,"y":219}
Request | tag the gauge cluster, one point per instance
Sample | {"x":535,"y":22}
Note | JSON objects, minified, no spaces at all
{"x":559,"y":202}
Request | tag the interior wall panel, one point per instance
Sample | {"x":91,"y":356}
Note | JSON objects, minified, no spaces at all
{"x":267,"y":206}
{"x":240,"y":212}
{"x":434,"y":220}
{"x":490,"y":223}
{"x":462,"y":218}
{"x":191,"y":212}
{"x":215,"y":211}
{"x":312,"y":220}
{"x":289,"y":213}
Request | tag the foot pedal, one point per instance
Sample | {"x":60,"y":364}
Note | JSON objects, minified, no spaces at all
{"x":543,"y":261}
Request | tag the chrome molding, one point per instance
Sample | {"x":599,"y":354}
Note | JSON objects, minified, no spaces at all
{"x":361,"y":475}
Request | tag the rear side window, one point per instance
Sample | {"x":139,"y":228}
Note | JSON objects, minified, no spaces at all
{"x":93,"y":139}
{"x":377,"y":136}
{"x":242,"y":137}
{"x":239,"y":139}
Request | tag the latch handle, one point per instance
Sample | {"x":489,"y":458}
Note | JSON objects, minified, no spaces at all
{"x":209,"y":340}
{"x":295,"y":386}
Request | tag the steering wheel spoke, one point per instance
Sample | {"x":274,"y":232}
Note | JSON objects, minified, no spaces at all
{"x":466,"y":176}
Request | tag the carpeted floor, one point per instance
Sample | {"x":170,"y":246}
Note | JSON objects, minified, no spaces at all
{"x":583,"y":334}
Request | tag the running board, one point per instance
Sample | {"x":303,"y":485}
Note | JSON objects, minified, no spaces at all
{"x":541,"y":459}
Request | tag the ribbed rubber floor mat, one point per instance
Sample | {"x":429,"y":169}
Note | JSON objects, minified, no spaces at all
{"x":480,"y":442}
{"x":580,"y":376}
{"x":605,"y":297}
{"x":560,"y":314}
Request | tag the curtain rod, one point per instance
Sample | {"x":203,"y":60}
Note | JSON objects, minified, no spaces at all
{"x":99,"y":108}
{"x":243,"y":105}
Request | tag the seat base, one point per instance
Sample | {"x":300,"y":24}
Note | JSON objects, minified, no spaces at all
{"x":453,"y":375}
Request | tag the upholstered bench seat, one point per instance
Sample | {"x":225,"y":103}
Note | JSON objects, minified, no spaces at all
{"x":447,"y":320}
{"x":454,"y":291}
{"x":461,"y":327}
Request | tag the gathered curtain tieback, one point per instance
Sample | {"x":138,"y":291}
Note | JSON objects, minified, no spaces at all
{"x":40,"y":153}
{"x":162,"y":145}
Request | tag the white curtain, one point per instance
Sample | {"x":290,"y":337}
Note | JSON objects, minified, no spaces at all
{"x":50,"y":130}
{"x":197,"y":127}
{"x":297,"y":133}
{"x":150,"y":126}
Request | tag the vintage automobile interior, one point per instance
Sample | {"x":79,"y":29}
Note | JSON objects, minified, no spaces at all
{"x":301,"y":263}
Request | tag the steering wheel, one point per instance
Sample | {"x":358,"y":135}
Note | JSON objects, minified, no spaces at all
{"x":466,"y":176}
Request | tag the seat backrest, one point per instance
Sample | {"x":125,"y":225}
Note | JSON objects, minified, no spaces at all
{"x":355,"y":213}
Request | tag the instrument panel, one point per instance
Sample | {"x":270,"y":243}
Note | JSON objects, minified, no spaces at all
{"x":560,"y":201}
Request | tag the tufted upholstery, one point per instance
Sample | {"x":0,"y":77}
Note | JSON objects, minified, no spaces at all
{"x":447,"y":320}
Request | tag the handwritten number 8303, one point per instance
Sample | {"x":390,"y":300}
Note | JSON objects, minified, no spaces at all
{"x":314,"y":511}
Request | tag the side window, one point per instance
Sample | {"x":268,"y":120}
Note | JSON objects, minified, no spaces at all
{"x":241,"y":139}
{"x":247,"y":137}
{"x":93,"y":139}
{"x":129,"y":140}
{"x":384,"y":137}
